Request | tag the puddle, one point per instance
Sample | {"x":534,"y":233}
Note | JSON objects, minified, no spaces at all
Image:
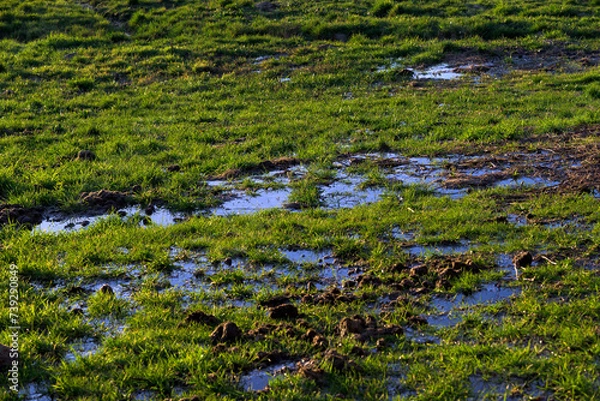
{"x":144,"y":395}
{"x":452,"y":175}
{"x":82,"y":349}
{"x":301,"y":256}
{"x":35,"y":392}
{"x":329,"y":272}
{"x":345,"y":193}
{"x":333,"y":276}
{"x":395,"y":383}
{"x":259,"y":379}
{"x":440,"y":71}
{"x":245,"y":204}
{"x":419,"y":337}
{"x":191,"y":274}
{"x":525,"y":182}
{"x":505,"y":262}
{"x":427,"y":250}
{"x":108,"y":326}
{"x":515,"y":389}
{"x":450,"y":311}
{"x":516,"y":220}
{"x":58,"y":223}
{"x":122,"y":288}
{"x":401,"y":235}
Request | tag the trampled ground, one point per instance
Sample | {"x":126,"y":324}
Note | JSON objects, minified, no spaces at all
{"x":237,"y":199}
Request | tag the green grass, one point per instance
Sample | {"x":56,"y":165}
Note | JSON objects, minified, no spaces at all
{"x":222,"y":87}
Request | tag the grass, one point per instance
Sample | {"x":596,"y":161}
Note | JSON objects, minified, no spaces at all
{"x":171,"y":94}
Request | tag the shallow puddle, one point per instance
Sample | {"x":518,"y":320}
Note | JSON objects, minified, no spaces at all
{"x":526,"y":182}
{"x":445,"y":249}
{"x":245,"y":204}
{"x":144,"y":395}
{"x":259,"y":379}
{"x":57,"y":223}
{"x":35,"y":392}
{"x":515,"y":389}
{"x":82,"y":349}
{"x":419,"y":337}
{"x":345,"y":193}
{"x":505,"y":262}
{"x":517,"y":220}
{"x":108,"y":326}
{"x":402,"y":235}
{"x":300,"y":256}
{"x":450,"y":311}
{"x":440,"y":71}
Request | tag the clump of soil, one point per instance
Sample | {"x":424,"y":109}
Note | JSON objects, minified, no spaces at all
{"x":264,"y":359}
{"x":5,"y":359}
{"x":316,"y":339}
{"x":285,"y":311}
{"x":330,"y":297}
{"x":523,"y":259}
{"x":19,"y":215}
{"x":338,"y":361}
{"x":105,"y":199}
{"x":364,"y":329}
{"x":201,"y":317}
{"x":106,"y":290}
{"x":226,"y":332}
{"x":86,"y":155}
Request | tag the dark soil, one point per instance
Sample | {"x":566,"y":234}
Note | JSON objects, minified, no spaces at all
{"x":105,"y":200}
{"x":18,"y":214}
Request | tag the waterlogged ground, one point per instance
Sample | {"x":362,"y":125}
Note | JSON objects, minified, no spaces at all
{"x":301,"y":201}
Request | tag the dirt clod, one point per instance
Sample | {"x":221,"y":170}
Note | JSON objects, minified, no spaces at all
{"x":19,"y":215}
{"x":523,"y":259}
{"x":86,"y":155}
{"x":275,"y":301}
{"x":105,"y":199}
{"x":269,"y":358}
{"x":338,"y":361}
{"x":310,"y":369}
{"x":106,"y":289}
{"x":5,"y":357}
{"x":285,"y":311}
{"x":173,"y":168}
{"x":226,"y":332}
{"x":202,"y":318}
{"x":352,"y":325}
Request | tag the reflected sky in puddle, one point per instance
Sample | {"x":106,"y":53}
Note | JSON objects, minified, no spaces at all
{"x":82,"y":349}
{"x":513,"y":389}
{"x":54,"y":224}
{"x":445,"y":249}
{"x":245,"y":204}
{"x":35,"y":392}
{"x":440,"y":71}
{"x":345,"y":193}
{"x":525,"y":182}
{"x":450,"y":311}
{"x":259,"y":379}
{"x":308,"y":256}
{"x":419,"y":337}
{"x":505,"y":262}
